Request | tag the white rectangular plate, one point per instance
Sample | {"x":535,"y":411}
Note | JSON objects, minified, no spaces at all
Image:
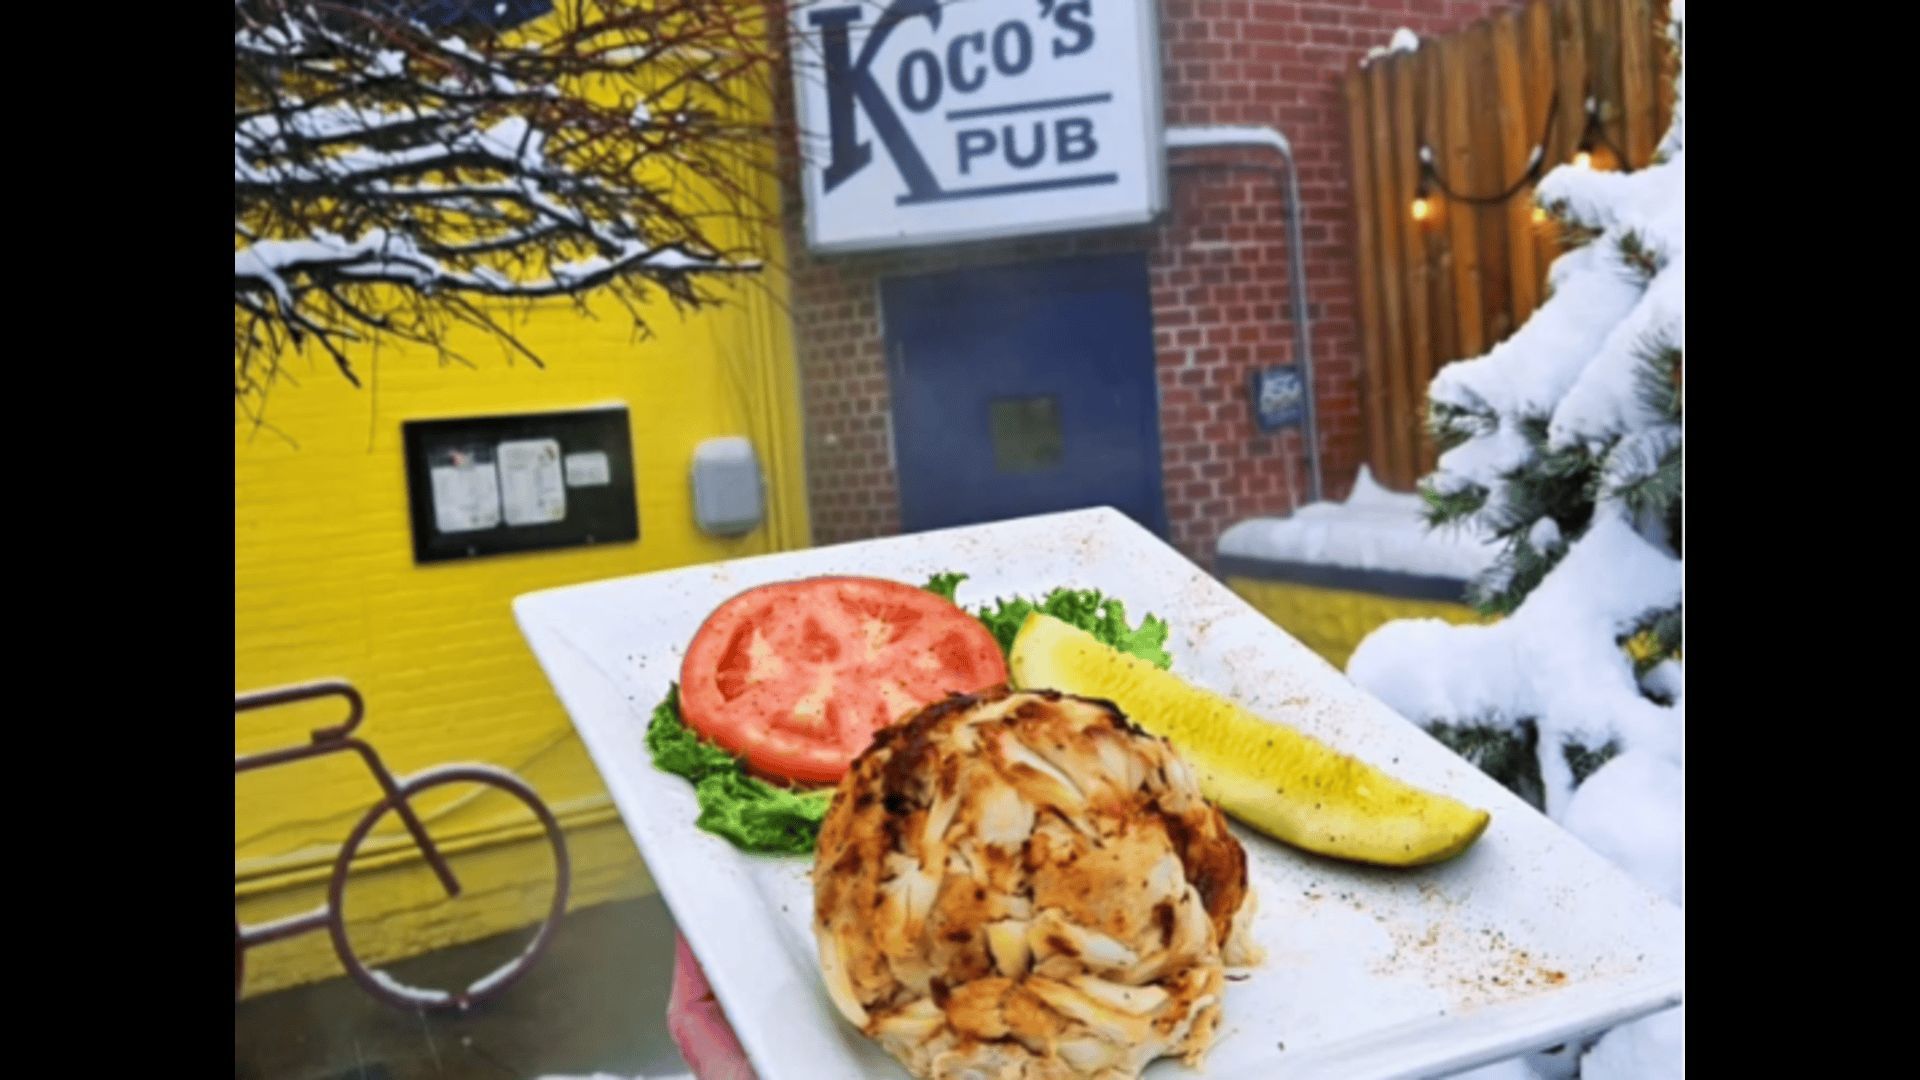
{"x":1525,"y":940}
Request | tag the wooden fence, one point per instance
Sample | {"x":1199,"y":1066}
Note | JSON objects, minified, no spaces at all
{"x":1454,"y":283}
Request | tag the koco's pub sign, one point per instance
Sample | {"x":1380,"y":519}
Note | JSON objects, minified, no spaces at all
{"x":932,"y":121}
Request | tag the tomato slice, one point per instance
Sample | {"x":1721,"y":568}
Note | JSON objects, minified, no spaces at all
{"x":797,"y":676}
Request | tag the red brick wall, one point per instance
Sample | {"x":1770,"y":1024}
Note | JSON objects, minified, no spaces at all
{"x":1219,"y":274}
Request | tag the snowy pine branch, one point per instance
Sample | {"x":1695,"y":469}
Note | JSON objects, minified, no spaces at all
{"x":1655,"y":639}
{"x":1450,"y":424}
{"x":1448,"y":505}
{"x":1659,"y":382}
{"x":1637,"y":257}
{"x":1508,"y":752}
{"x":394,"y":179}
{"x":1643,"y":471}
{"x":1584,"y":761}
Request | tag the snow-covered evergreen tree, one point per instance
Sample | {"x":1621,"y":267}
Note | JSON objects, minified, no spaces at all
{"x":1565,"y":442}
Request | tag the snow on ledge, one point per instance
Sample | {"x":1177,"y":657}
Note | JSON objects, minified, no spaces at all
{"x":1375,"y":529}
{"x":1403,"y":41}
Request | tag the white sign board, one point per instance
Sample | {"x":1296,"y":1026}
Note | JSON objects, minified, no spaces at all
{"x":935,"y":121}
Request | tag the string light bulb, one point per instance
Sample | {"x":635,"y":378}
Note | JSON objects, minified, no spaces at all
{"x":1539,"y":215}
{"x":1422,"y":208}
{"x":1584,"y":157}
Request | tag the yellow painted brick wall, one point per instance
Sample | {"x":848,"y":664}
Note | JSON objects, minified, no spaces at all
{"x":325,"y":583}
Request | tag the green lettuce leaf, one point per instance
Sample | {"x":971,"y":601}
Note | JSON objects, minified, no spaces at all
{"x":759,"y":817}
{"x":754,"y":815}
{"x":1102,"y":616}
{"x":943,"y":585}
{"x":676,"y":749}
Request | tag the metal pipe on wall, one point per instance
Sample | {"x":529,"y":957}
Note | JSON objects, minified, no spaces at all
{"x":1255,"y":135}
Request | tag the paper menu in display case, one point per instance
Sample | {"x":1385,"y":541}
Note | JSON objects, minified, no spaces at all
{"x":532,"y":489}
{"x":466,"y":490}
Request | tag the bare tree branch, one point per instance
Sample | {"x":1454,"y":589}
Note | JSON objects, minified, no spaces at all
{"x":394,"y":178}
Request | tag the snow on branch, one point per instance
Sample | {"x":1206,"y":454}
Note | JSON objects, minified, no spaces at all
{"x":1579,"y":361}
{"x":1554,"y":662}
{"x":396,"y":176}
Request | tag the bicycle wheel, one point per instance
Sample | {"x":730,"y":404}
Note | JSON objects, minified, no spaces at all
{"x":480,"y":820}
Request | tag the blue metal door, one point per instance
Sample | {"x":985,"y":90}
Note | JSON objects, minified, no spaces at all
{"x":1024,"y":390}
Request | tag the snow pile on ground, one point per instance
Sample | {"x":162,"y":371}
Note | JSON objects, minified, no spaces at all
{"x":1375,"y":529}
{"x":1629,"y":812}
{"x":1651,"y":1049}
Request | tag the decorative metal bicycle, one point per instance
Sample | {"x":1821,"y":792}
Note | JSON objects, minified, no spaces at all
{"x":398,"y":799}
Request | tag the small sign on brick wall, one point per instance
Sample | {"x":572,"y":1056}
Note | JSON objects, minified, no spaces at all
{"x":1279,"y":397}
